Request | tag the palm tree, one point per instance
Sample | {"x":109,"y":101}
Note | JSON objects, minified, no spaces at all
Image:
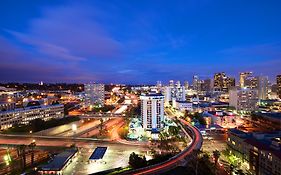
{"x":216,"y":155}
{"x":32,"y":145}
{"x":22,"y":154}
{"x":101,"y":126}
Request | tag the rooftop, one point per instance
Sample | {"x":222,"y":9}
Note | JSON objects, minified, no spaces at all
{"x":98,"y":153}
{"x":59,"y":161}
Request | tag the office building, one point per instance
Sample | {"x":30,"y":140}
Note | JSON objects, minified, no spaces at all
{"x":158,"y":84}
{"x":206,"y":85}
{"x":152,"y":111}
{"x":25,"y":115}
{"x":94,"y":94}
{"x":278,"y":82}
{"x":171,"y":83}
{"x":243,"y":77}
{"x":186,"y":85}
{"x":243,"y":99}
{"x":195,"y":83}
{"x":219,"y":81}
{"x":167,"y":95}
{"x":228,"y":82}
{"x":260,"y":152}
{"x":223,"y":82}
{"x":262,"y":87}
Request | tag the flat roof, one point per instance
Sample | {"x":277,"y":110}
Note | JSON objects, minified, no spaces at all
{"x":98,"y":153}
{"x":59,"y":161}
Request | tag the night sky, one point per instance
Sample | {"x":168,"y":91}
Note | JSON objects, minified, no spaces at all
{"x":137,"y":41}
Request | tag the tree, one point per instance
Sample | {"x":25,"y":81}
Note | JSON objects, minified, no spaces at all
{"x":37,"y":124}
{"x":136,"y":161}
{"x":22,"y":154}
{"x":216,"y":155}
{"x":101,"y":126}
{"x":32,"y":145}
{"x":174,"y":131}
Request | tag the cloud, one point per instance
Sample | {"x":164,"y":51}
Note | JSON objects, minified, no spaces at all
{"x":267,"y":50}
{"x":71,"y":32}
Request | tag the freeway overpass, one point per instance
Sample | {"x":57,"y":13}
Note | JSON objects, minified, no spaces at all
{"x":178,"y":159}
{"x":59,"y":141}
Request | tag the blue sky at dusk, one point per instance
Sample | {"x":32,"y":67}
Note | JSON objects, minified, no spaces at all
{"x":137,"y":41}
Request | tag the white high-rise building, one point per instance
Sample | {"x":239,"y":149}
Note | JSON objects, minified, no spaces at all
{"x":243,"y":98}
{"x":94,"y":94}
{"x":152,"y":111}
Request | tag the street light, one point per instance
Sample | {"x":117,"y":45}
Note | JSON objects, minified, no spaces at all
{"x":74,"y":127}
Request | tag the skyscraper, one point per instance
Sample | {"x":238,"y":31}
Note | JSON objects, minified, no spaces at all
{"x":262,"y":87}
{"x":152,"y":111}
{"x":195,"y":83}
{"x":94,"y":94}
{"x":227,"y":83}
{"x":278,"y":82}
{"x":206,"y":85}
{"x":243,"y":77}
{"x":186,"y":85}
{"x":219,"y":81}
{"x":171,"y":83}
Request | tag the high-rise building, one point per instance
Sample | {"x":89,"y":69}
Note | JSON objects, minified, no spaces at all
{"x":171,"y":83}
{"x":94,"y":94}
{"x":159,"y":84}
{"x":178,"y":84}
{"x":262,"y":87}
{"x":186,"y":84}
{"x":228,"y":82}
{"x":278,"y":82}
{"x":243,"y":77}
{"x":195,"y":83}
{"x":206,"y":85}
{"x":152,"y":111}
{"x":168,"y":95}
{"x":243,"y":98}
{"x":177,"y":93}
{"x":218,"y":81}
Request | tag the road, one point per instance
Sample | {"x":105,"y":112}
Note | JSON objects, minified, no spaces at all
{"x":106,"y":126}
{"x":176,"y":160}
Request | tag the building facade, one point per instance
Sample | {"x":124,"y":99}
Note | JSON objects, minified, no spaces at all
{"x":94,"y":94}
{"x":260,"y":151}
{"x":278,"y":82}
{"x":152,"y":111}
{"x":262,"y":87}
{"x":243,"y":77}
{"x":243,"y":99}
{"x":25,"y":115}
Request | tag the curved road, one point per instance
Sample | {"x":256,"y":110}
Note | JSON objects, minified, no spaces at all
{"x":176,"y":160}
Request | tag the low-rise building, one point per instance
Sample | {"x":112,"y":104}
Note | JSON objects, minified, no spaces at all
{"x":59,"y":163}
{"x":25,"y":115}
{"x":260,"y":151}
{"x":182,"y":105}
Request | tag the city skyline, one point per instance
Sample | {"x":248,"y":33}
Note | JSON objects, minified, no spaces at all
{"x":137,"y":42}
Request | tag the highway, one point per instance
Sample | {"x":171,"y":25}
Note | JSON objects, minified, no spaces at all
{"x":196,"y":144}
